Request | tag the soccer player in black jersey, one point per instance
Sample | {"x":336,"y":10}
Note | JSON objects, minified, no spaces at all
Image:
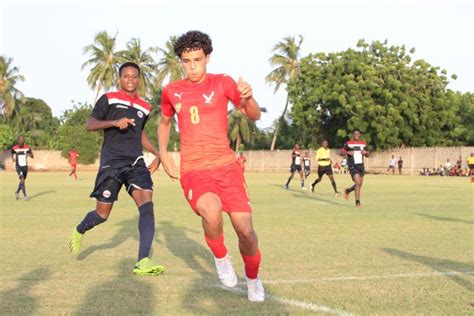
{"x":355,"y":151}
{"x":122,"y":116}
{"x":296,"y":161}
{"x":20,"y":153}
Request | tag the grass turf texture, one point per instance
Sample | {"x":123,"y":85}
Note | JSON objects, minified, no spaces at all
{"x":396,"y":255}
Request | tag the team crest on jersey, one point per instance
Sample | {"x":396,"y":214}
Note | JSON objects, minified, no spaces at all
{"x":208,"y":99}
{"x":177,"y":107}
{"x":190,"y":194}
{"x":140,"y":114}
{"x":106,"y":194}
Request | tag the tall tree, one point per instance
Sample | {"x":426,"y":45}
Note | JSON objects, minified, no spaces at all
{"x":285,"y":61}
{"x":169,"y":66}
{"x":240,"y":128}
{"x":103,"y":62}
{"x":143,"y":58}
{"x":380,"y":90}
{"x":9,"y":77}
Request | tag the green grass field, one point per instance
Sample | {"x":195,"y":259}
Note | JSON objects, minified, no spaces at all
{"x":409,"y":250}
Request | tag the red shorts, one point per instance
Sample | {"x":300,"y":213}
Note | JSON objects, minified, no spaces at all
{"x":228,"y":182}
{"x":74,"y":165}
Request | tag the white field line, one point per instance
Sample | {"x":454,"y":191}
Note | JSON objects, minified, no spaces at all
{"x":300,"y":304}
{"x":371,"y":277}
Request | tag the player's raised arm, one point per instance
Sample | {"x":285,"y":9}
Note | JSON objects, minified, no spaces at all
{"x":248,"y":105}
{"x":164,"y":127}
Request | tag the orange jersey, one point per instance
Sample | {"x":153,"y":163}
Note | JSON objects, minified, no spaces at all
{"x":73,"y":157}
{"x":202,"y":120}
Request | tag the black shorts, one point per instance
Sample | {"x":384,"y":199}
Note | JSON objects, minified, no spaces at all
{"x":307,"y":168}
{"x":295,"y":168}
{"x":357,"y":169}
{"x":109,"y":181}
{"x":22,"y":171}
{"x":322,"y":170}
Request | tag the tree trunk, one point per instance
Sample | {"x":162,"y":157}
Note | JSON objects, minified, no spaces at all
{"x":237,"y":142}
{"x":99,"y":87}
{"x":275,"y":134}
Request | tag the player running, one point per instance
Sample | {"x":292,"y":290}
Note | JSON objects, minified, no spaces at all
{"x":295,"y":167}
{"x":122,"y":116}
{"x":20,"y":153}
{"x":211,"y":178}
{"x":324,"y":166}
{"x":355,"y":150}
{"x":306,"y":165}
{"x":73,"y":154}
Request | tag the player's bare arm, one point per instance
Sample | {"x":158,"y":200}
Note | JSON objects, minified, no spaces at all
{"x":94,"y":124}
{"x":164,"y":127}
{"x":247,"y":105}
{"x":155,"y":164}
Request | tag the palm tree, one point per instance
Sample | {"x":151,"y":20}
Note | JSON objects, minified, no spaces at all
{"x":9,"y":77}
{"x":103,"y":62}
{"x":285,"y":59}
{"x":169,"y":66}
{"x":144,"y":60}
{"x":240,"y":128}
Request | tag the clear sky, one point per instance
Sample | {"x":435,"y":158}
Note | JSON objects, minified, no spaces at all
{"x":46,"y":38}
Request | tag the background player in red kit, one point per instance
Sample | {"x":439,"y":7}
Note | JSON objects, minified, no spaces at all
{"x":73,"y":154}
{"x":211,"y":178}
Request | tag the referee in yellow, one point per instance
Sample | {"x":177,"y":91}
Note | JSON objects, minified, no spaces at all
{"x":324,"y":166}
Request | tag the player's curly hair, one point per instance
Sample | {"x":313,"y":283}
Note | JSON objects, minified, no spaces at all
{"x":193,"y":40}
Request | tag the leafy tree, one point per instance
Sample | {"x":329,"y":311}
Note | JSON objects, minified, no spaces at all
{"x":9,"y":78}
{"x":73,"y":134}
{"x":240,"y":128}
{"x":103,"y":61}
{"x":378,"y":89}
{"x":144,"y":60}
{"x":285,"y":59}
{"x":7,"y":137}
{"x":169,"y":66}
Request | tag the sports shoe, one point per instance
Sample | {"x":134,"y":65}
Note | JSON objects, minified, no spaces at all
{"x":358,"y":205}
{"x":312,"y":187}
{"x":285,"y":187}
{"x":346,"y":195}
{"x":303,"y":188}
{"x":225,"y":271}
{"x":17,"y":195}
{"x":255,"y":290}
{"x":336,"y":194}
{"x":147,"y":267}
{"x":75,"y":242}
{"x":26,"y":198}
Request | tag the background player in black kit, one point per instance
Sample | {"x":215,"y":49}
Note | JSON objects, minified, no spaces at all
{"x":20,"y":153}
{"x":355,"y":151}
{"x":296,"y":160}
{"x":122,"y":116}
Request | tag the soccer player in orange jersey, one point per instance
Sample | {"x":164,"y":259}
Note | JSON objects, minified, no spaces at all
{"x":212,"y":180}
{"x":73,"y":154}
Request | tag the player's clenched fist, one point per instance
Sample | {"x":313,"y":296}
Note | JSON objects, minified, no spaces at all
{"x":124,"y":122}
{"x":244,"y":88}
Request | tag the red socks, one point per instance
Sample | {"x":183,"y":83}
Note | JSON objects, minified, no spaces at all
{"x":252,"y":263}
{"x":217,"y":246}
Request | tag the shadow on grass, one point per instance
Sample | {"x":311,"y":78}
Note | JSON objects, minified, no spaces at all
{"x":441,"y":265}
{"x":205,"y":295}
{"x":20,"y":300}
{"x":307,"y":194}
{"x":128,"y":229}
{"x":445,"y":219}
{"x":41,"y":193}
{"x":122,"y":294}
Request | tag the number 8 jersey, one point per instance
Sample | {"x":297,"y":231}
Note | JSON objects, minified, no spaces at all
{"x":201,"y":109}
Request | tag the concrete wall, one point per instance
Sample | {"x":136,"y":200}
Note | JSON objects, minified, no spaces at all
{"x":414,"y":159}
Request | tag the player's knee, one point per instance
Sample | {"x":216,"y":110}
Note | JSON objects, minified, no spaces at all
{"x":247,"y":236}
{"x":146,"y":209}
